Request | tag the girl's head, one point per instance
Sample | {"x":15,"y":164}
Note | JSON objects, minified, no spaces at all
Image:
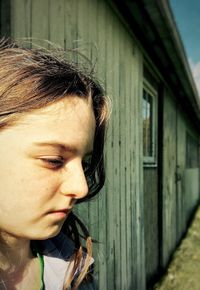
{"x":52,"y":125}
{"x":32,"y":79}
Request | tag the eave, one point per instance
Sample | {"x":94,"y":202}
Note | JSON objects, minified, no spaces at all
{"x":152,"y":22}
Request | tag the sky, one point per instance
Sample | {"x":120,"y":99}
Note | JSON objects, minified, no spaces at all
{"x":187,"y":16}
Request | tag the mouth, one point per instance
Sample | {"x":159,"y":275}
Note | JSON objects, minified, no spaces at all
{"x":61,"y":213}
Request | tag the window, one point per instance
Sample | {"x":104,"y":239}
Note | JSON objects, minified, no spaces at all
{"x":149,"y":124}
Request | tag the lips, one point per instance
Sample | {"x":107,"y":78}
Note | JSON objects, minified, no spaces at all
{"x":57,"y":209}
{"x":62,"y":210}
{"x":60,"y":213}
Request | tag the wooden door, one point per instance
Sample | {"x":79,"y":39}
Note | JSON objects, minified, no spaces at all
{"x":150,"y":179}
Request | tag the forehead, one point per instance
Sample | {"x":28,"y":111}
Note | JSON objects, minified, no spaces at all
{"x":70,"y":108}
{"x":68,"y":120}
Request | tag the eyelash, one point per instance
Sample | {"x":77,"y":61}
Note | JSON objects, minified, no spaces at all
{"x":54,"y":163}
{"x":57,"y":163}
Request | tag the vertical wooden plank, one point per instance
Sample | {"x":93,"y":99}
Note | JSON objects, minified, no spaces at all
{"x":87,"y":40}
{"x":140,"y":282}
{"x":20,"y":19}
{"x":40,"y":22}
{"x":133,"y":165}
{"x":111,"y":226}
{"x":151,"y":221}
{"x":104,"y":204}
{"x":56,"y":22}
{"x":181,"y":146}
{"x":191,"y":177}
{"x":5,"y":18}
{"x":70,"y":25}
{"x":85,"y":29}
{"x":116,"y":157}
{"x":119,"y":138}
{"x":128,"y":165}
{"x":123,"y":139}
{"x":113,"y":206}
{"x":132,"y":171}
{"x":169,"y":188}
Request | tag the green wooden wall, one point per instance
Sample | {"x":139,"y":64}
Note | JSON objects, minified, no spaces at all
{"x":116,"y":217}
{"x":169,"y":185}
{"x":181,"y":185}
{"x":151,"y":221}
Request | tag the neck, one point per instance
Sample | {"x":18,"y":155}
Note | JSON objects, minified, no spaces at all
{"x":19,"y":269}
{"x":14,"y":252}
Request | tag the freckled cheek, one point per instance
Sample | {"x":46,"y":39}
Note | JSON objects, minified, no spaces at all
{"x":43,"y":189}
{"x":28,"y":192}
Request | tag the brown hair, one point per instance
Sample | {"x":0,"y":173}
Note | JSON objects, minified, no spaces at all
{"x":33,"y":78}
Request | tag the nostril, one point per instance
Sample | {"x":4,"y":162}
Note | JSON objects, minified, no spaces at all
{"x":73,"y":196}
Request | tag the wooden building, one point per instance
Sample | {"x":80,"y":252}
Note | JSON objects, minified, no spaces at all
{"x":152,"y":157}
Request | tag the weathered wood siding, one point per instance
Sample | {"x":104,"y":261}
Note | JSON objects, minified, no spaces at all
{"x":180,"y":168}
{"x":4,"y":18}
{"x":180,"y":184}
{"x":191,"y":176}
{"x":169,"y":185}
{"x":115,"y":219}
{"x":151,"y":223}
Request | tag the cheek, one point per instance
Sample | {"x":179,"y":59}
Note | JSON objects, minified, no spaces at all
{"x":25,"y":186}
{"x":23,"y":189}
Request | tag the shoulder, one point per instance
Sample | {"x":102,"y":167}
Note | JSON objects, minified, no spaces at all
{"x":58,"y":262}
{"x":57,"y":253}
{"x":60,"y":247}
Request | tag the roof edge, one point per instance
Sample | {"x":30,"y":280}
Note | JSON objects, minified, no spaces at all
{"x":153,"y":24}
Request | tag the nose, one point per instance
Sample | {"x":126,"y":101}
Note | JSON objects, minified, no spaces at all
{"x":74,"y":183}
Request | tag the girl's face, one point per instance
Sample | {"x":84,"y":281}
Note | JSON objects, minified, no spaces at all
{"x":41,"y":169}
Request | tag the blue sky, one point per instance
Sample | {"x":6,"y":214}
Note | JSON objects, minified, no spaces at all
{"x":187,"y":16}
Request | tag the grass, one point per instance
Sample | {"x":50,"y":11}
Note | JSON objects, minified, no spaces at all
{"x":184,"y":270}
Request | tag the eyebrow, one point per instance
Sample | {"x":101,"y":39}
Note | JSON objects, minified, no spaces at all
{"x":61,"y":146}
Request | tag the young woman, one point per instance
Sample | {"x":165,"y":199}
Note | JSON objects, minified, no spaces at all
{"x":52,"y":125}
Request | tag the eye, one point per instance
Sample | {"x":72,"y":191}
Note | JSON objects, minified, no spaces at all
{"x":54,"y":163}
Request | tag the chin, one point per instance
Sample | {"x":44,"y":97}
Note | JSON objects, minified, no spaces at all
{"x":47,"y":234}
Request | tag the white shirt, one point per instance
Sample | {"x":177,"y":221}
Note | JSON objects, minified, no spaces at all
{"x":57,"y":252}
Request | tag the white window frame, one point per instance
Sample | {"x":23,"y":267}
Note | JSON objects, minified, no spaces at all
{"x":151,"y":161}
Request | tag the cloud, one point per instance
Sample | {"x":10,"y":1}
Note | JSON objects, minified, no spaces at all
{"x":195,"y":67}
